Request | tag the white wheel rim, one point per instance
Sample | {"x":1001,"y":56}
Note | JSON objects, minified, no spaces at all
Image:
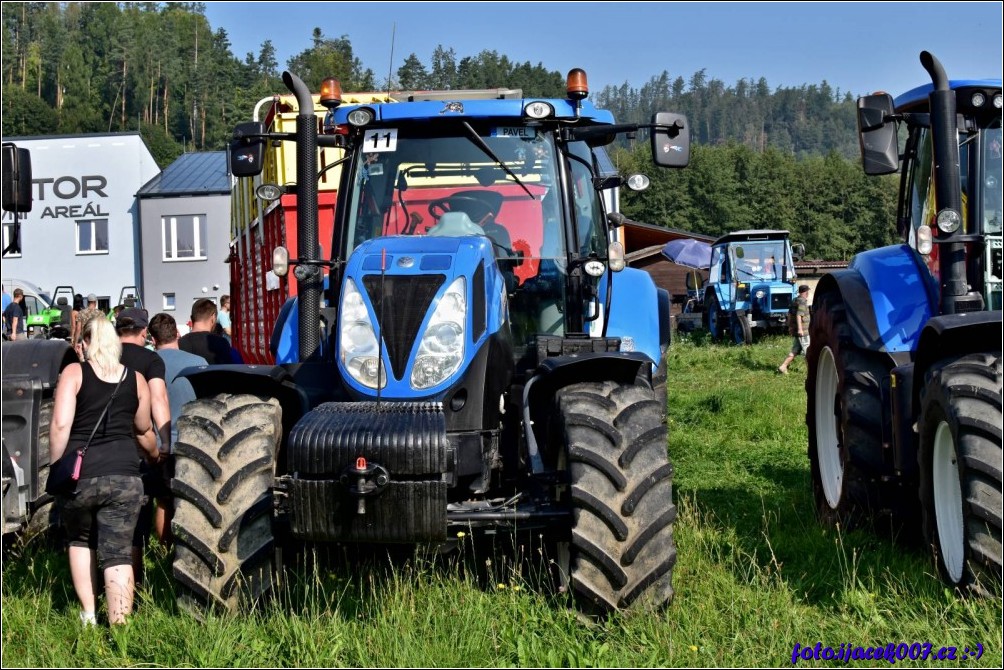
{"x":948,"y":502}
{"x":831,"y":468}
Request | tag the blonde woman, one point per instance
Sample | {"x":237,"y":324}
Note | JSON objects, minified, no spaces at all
{"x":101,"y":515}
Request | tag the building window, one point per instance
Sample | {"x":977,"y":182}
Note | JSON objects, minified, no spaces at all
{"x":92,"y":236}
{"x":8,"y":237}
{"x":184,"y":237}
{"x":168,"y":302}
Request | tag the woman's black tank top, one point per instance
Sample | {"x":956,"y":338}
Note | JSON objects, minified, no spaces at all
{"x":113,"y":450}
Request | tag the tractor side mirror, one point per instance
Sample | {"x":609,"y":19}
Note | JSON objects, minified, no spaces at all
{"x":670,"y":140}
{"x":16,"y":179}
{"x":877,"y":134}
{"x":247,"y":149}
{"x":797,"y":251}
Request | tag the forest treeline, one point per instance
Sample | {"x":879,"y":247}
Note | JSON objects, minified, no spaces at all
{"x":763,"y":157}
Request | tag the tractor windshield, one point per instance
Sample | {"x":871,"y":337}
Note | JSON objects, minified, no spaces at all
{"x":406,"y":179}
{"x":761,"y":260}
{"x":436,"y":180}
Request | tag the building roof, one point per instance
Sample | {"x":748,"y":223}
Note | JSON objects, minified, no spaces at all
{"x":201,"y":173}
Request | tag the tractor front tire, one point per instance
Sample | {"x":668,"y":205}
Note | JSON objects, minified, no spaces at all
{"x":622,"y":552}
{"x":960,"y":471}
{"x":844,"y":417}
{"x":224,"y":468}
{"x":742,"y":334}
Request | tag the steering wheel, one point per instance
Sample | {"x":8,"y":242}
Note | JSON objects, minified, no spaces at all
{"x":439,"y":207}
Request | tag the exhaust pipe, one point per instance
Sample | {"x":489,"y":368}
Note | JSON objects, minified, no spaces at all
{"x":308,"y":274}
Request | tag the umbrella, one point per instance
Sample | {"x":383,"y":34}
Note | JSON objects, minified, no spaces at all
{"x":688,"y":252}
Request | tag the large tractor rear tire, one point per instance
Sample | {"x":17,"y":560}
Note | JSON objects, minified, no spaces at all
{"x":622,"y":552}
{"x":715,"y":320}
{"x":44,"y":518}
{"x":224,"y":468}
{"x":844,"y":417}
{"x":960,"y":471}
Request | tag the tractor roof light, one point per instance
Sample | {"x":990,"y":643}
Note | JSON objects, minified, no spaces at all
{"x":997,"y":101}
{"x":978,"y":99}
{"x":949,"y":221}
{"x":925,"y":240}
{"x":331,"y":93}
{"x":360,"y":117}
{"x":538,"y":110}
{"x":576,"y":85}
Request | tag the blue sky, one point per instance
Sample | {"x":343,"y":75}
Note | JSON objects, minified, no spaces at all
{"x":856,"y":47}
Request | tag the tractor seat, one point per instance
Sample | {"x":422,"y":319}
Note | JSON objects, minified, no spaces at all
{"x":455,"y":224}
{"x":65,"y":311}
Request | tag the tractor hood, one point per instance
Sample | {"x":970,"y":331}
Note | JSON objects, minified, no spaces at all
{"x":414,"y":312}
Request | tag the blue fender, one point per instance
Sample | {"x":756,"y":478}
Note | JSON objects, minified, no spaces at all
{"x":634,"y":312}
{"x":285,"y":341}
{"x":889,"y":295}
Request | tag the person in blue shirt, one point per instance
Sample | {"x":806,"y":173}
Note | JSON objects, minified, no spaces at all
{"x":223,"y":318}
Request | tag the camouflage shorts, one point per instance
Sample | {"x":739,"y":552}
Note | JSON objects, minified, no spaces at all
{"x":102,"y":515}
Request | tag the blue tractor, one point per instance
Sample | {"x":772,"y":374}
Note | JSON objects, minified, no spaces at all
{"x":751,"y":284}
{"x":904,"y":383}
{"x":473,"y":354}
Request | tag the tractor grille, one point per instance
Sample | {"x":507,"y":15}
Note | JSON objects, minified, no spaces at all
{"x":401,"y":303}
{"x":780,"y":301}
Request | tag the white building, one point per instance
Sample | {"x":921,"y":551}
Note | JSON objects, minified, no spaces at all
{"x":83,"y":229}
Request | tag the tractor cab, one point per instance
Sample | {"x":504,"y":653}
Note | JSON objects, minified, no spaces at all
{"x":751,"y":283}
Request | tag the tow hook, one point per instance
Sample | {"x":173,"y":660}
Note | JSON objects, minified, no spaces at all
{"x":363,"y":480}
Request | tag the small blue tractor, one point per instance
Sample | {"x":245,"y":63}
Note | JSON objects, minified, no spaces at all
{"x":471,"y":355}
{"x":751,"y":284}
{"x":904,"y":383}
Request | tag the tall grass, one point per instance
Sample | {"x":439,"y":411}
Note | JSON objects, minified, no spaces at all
{"x":756,"y":574}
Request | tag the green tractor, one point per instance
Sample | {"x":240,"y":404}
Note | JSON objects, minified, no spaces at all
{"x":52,"y":321}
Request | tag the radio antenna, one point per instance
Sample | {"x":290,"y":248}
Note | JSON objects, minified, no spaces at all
{"x":390,"y":66}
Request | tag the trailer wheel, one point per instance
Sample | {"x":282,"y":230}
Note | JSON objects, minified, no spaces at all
{"x":622,"y":552}
{"x":844,"y":417}
{"x":741,"y":332}
{"x":714,"y":319}
{"x":960,"y":470}
{"x":224,"y":465}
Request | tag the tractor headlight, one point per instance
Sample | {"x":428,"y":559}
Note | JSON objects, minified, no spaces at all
{"x":441,"y":349}
{"x":760,"y":293}
{"x":357,"y":340}
{"x":949,"y":221}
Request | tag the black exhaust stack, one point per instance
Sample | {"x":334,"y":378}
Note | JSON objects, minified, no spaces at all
{"x":307,"y":272}
{"x":947,"y":190}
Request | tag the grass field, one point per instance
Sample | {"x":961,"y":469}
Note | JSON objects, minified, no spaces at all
{"x":756,"y":574}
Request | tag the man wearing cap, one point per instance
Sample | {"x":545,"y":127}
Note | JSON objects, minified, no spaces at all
{"x":131,"y":325}
{"x":798,"y":327}
{"x":84,"y":316}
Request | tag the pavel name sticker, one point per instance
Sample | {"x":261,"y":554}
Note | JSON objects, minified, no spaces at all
{"x":521,"y":132}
